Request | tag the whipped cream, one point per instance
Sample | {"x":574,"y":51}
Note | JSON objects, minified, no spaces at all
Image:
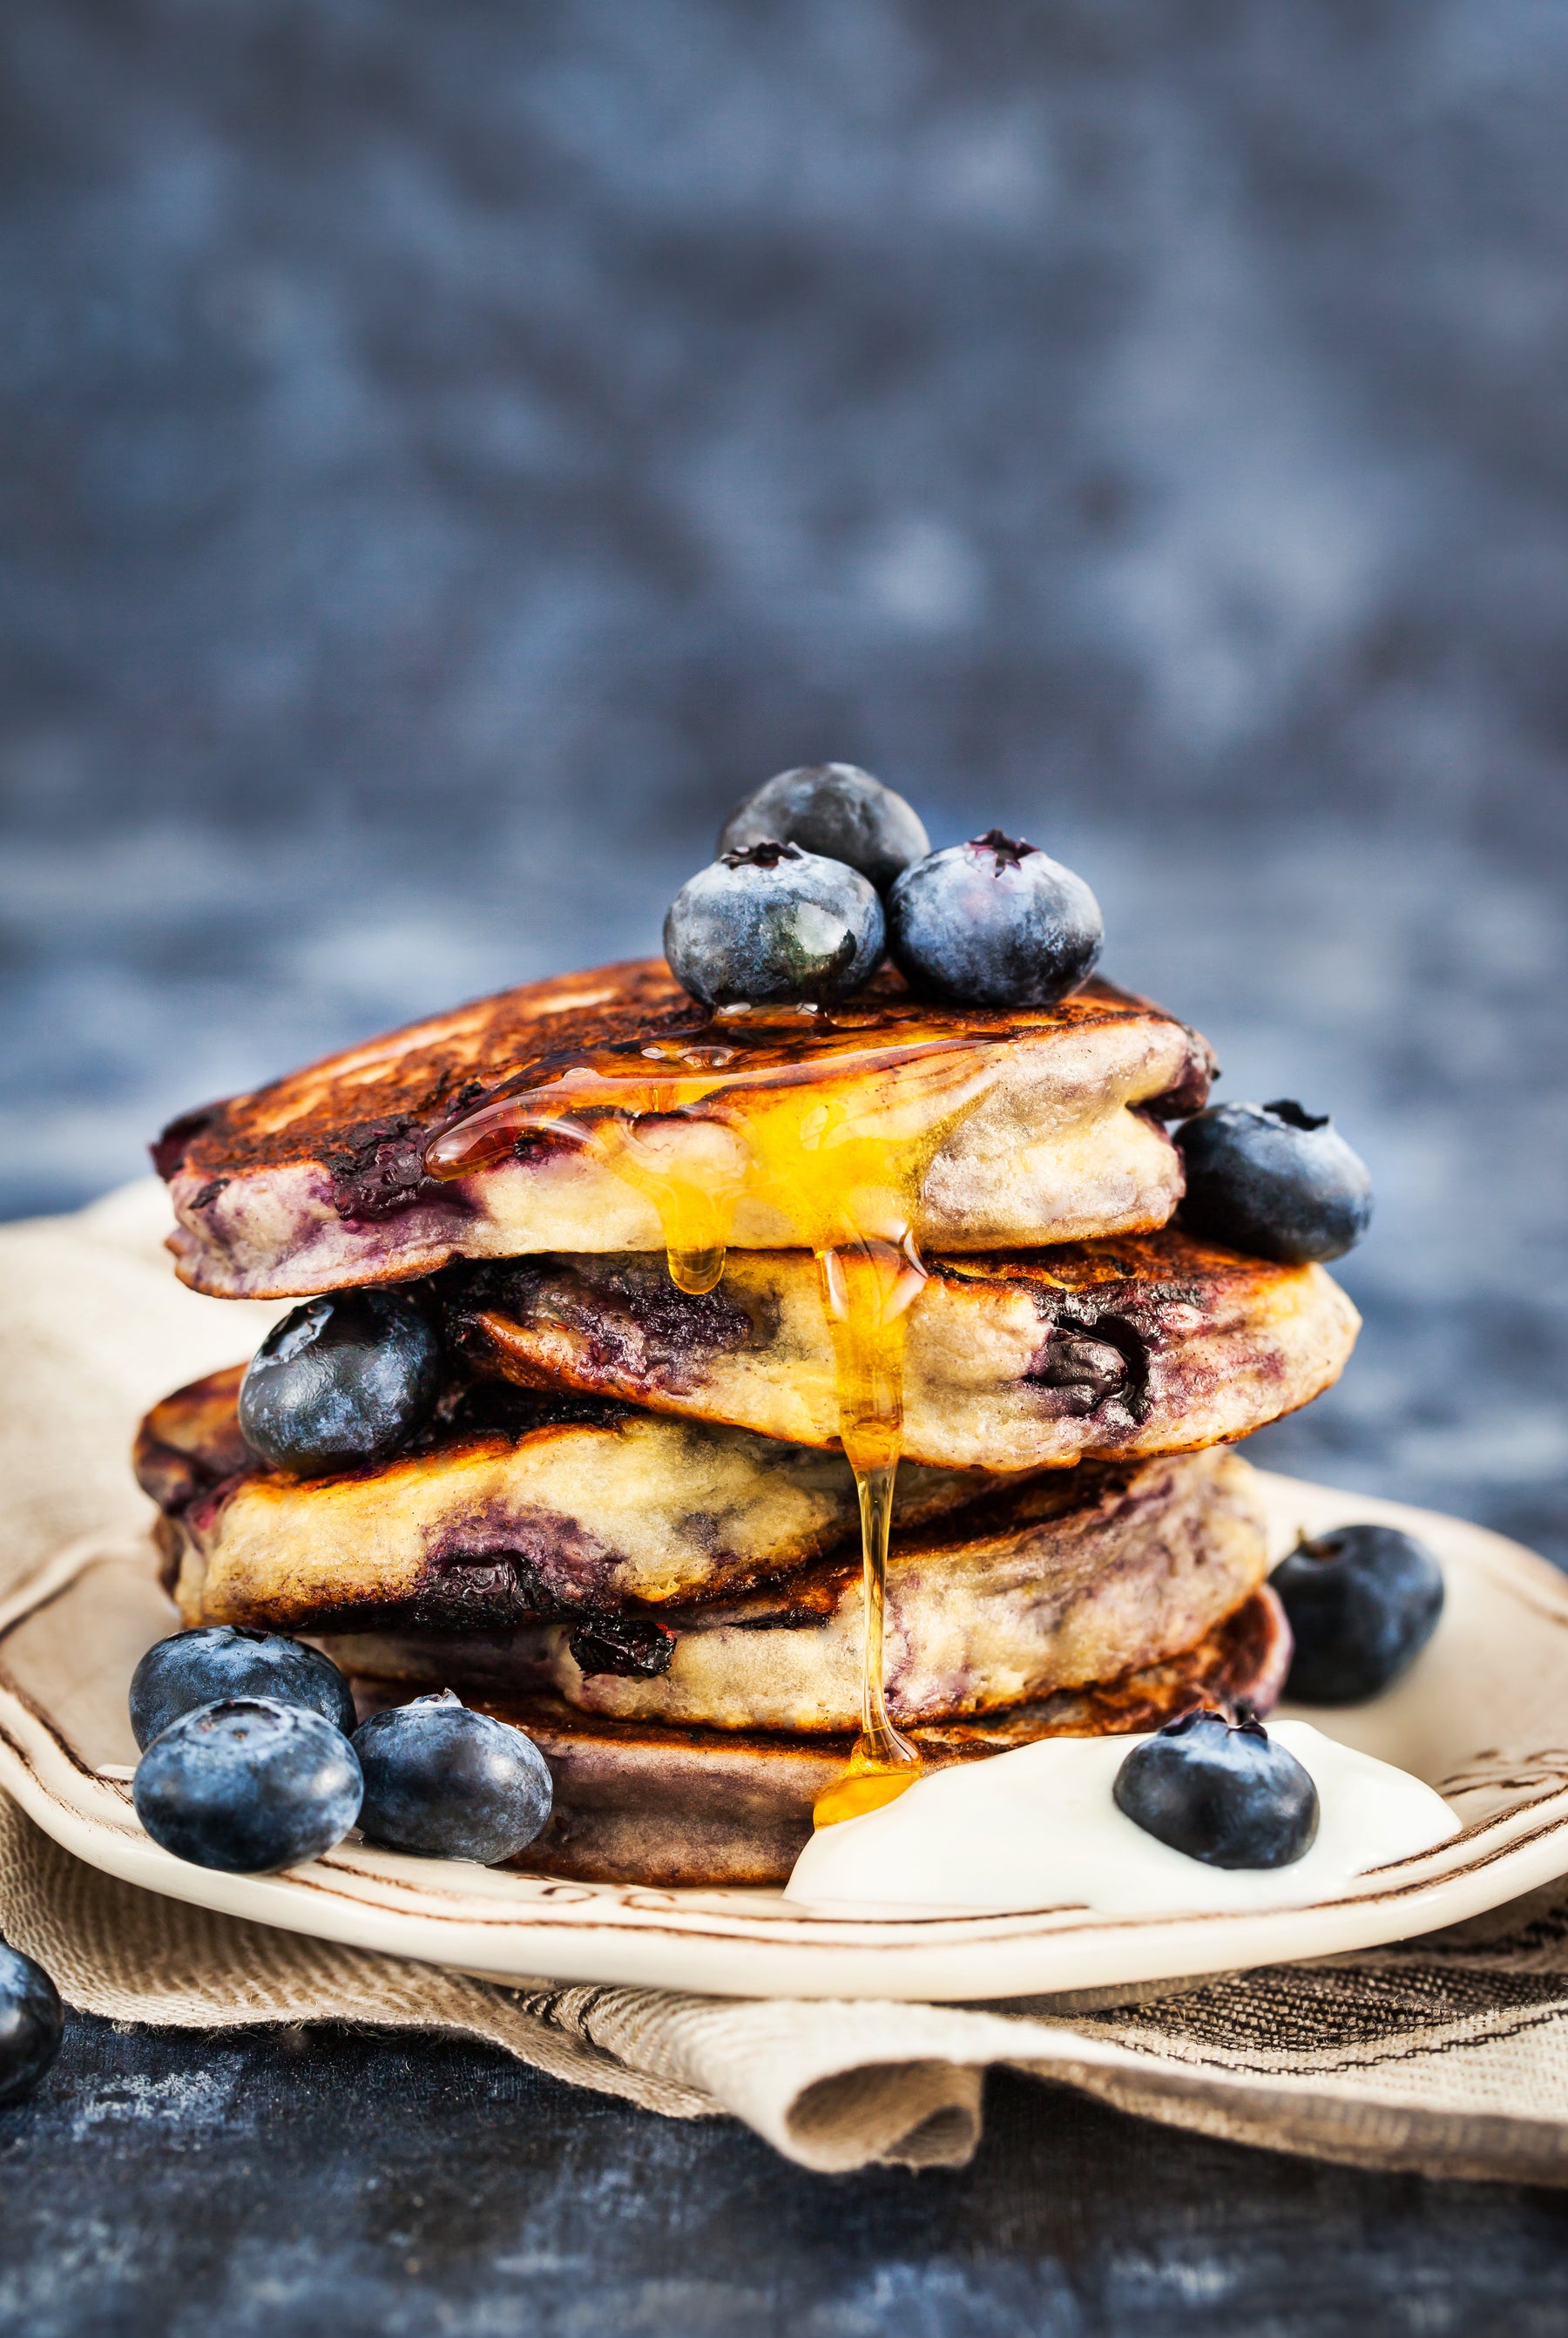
{"x":1037,"y":1827}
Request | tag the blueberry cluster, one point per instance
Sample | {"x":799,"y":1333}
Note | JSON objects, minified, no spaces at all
{"x":251,"y":1762}
{"x":824,"y":870}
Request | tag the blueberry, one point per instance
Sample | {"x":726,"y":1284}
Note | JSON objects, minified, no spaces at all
{"x":771,"y":923}
{"x":31,"y":2022}
{"x":220,"y":1660}
{"x":1362,"y":1602}
{"x":450,"y":1783}
{"x":993,"y":923}
{"x":835,"y":810}
{"x":248,"y":1785}
{"x":1222,"y":1792}
{"x":341,"y":1381}
{"x":1273,"y":1180}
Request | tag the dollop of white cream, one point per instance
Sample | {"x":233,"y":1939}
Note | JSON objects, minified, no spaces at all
{"x":1037,"y":1827}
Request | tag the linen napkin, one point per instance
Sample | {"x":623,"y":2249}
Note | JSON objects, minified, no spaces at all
{"x":1448,"y":2054}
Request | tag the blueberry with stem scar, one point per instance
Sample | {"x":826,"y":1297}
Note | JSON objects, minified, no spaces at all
{"x":995,"y":922}
{"x":1222,"y":1792}
{"x":771,"y":925}
{"x":1362,"y":1602}
{"x":1275,"y":1181}
{"x":448,"y":1783}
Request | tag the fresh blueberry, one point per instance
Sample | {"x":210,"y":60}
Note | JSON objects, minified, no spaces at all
{"x":220,"y":1660}
{"x":449,"y":1782}
{"x":31,"y":2022}
{"x":248,"y":1785}
{"x":835,"y":810}
{"x":1223,"y":1792}
{"x":1362,"y":1604}
{"x":1275,"y":1181}
{"x":993,"y":923}
{"x":770,"y":923}
{"x":341,"y":1381}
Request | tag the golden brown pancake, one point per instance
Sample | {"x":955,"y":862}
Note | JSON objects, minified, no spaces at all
{"x":1031,"y":1125}
{"x":1146,"y":1344}
{"x":638,"y":1803}
{"x":1069,"y":1578}
{"x":511,"y":1505}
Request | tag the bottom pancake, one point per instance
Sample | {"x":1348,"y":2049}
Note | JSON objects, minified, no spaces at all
{"x":640,"y":1802}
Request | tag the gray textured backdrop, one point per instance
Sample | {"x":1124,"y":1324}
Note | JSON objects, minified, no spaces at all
{"x":446,"y":453}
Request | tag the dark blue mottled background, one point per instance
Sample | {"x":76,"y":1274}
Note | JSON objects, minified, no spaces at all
{"x":448,"y":453}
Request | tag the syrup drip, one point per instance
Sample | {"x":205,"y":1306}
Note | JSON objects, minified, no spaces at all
{"x":835,"y":1136}
{"x":868,"y":1290}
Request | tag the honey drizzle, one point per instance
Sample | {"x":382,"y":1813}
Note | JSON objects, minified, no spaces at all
{"x":846,"y":1170}
{"x":868,"y":1290}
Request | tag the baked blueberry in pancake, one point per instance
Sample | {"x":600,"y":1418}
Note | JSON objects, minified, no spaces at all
{"x":1143,"y":1344}
{"x":510,"y":1503}
{"x":1073,"y":1578}
{"x":654,"y":1804}
{"x":1016,"y":1125}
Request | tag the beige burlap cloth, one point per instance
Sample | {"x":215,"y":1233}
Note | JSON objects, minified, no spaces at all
{"x":1447,"y":2053}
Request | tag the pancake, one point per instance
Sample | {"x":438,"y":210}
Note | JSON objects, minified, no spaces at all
{"x":1018,"y":1125}
{"x":1069,"y":1578}
{"x":636,"y":1802}
{"x":510,"y":1504}
{"x":1151,"y":1344}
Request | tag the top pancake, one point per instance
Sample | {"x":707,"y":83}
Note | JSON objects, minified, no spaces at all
{"x":318,"y":1182}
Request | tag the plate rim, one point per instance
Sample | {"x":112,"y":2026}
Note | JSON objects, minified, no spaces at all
{"x":518,"y":1929}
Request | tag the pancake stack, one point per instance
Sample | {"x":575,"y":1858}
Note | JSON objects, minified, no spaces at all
{"x":625,"y":1521}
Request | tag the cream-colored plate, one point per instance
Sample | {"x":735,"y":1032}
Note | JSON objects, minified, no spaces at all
{"x":1483,"y":1716}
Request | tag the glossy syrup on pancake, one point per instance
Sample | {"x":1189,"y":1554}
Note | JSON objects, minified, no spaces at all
{"x":840,"y":1123}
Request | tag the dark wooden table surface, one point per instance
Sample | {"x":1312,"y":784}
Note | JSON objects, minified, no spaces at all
{"x":326,"y":2182}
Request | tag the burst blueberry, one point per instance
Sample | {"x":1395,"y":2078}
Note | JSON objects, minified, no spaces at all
{"x":1222,"y":1792}
{"x":1274,"y":1180}
{"x":995,"y":922}
{"x":31,"y":2022}
{"x":342,"y":1381}
{"x":248,"y":1785}
{"x":770,"y":923}
{"x":836,"y":811}
{"x":448,"y":1783}
{"x":1362,"y":1604}
{"x":229,"y":1660}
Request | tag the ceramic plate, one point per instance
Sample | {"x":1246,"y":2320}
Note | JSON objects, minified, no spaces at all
{"x":1483,"y":1716}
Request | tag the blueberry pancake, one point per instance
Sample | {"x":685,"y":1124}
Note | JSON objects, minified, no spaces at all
{"x":1146,"y":1344}
{"x":505,"y":1504}
{"x":1026,"y":1125}
{"x":607,"y":1281}
{"x":1070,"y":1578}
